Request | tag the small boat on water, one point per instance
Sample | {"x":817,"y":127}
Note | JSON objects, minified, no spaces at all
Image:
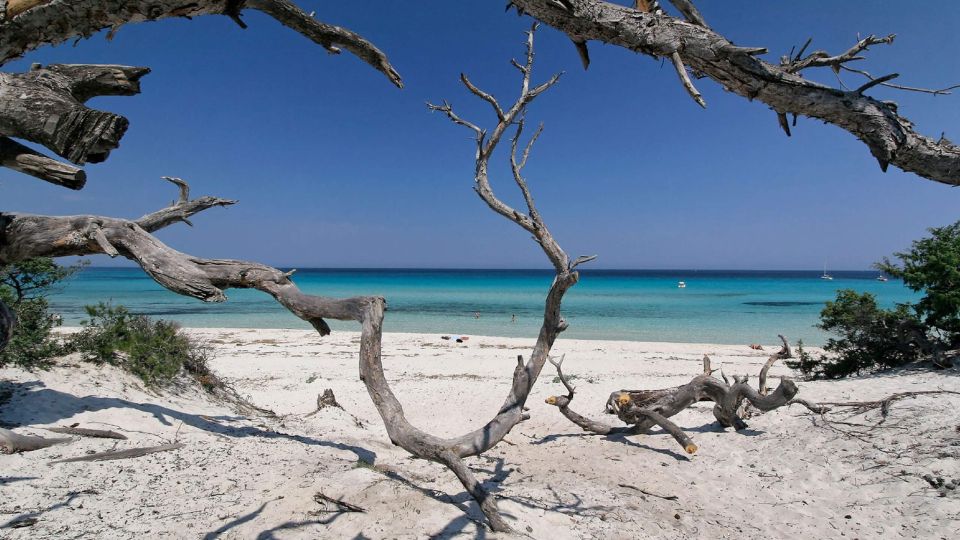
{"x":681,"y":284}
{"x":883,"y":278}
{"x":825,"y":274}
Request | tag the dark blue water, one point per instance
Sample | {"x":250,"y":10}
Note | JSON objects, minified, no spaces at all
{"x":640,"y":305}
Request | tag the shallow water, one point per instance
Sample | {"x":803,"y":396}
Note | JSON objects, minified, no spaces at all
{"x":715,"y":306}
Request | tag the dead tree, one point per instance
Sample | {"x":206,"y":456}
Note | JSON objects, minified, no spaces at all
{"x":644,"y":409}
{"x":691,"y":43}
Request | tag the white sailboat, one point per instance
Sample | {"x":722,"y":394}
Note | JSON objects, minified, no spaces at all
{"x":825,"y":274}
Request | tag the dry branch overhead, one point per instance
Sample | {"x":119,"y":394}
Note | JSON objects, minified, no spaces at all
{"x":18,"y":157}
{"x":643,"y":409}
{"x":11,"y":442}
{"x":890,"y":137}
{"x":29,"y":24}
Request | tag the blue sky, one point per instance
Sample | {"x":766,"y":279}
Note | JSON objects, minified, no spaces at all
{"x":335,"y":167}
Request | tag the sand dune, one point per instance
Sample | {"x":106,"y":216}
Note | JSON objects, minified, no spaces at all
{"x":789,"y":474}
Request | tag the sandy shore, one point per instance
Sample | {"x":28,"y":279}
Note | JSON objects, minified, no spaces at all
{"x":788,"y":475}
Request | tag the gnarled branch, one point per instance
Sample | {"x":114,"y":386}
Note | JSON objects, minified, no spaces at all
{"x":889,"y":136}
{"x":23,"y":236}
{"x":643,"y":409}
{"x":29,"y":24}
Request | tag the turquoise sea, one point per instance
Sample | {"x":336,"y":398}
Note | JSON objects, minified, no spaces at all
{"x":635,"y":305}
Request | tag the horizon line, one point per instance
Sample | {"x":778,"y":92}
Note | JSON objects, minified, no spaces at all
{"x":519,"y":269}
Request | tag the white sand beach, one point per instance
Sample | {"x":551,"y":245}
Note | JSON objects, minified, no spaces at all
{"x":788,"y":475}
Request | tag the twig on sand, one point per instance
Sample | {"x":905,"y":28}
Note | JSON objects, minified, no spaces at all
{"x":341,"y":505}
{"x":84,"y":432}
{"x":122,"y":454}
{"x":645,"y":492}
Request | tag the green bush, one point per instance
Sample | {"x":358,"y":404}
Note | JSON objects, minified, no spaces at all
{"x":23,"y":288}
{"x":870,"y":338}
{"x":932,"y":266}
{"x":154,"y":350}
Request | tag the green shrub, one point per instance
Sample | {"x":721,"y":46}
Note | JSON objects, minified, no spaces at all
{"x":932,"y":266}
{"x":870,"y":338}
{"x":23,"y":288}
{"x":154,"y":350}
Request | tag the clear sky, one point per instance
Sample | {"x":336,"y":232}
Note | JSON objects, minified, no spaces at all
{"x":335,"y":167}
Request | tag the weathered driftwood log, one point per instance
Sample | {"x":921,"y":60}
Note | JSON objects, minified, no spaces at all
{"x":11,"y":442}
{"x":890,"y":137}
{"x":28,"y":24}
{"x":49,"y":108}
{"x":643,"y":409}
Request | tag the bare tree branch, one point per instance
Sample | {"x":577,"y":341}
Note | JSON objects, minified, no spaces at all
{"x":29,"y":24}
{"x":29,"y":236}
{"x":18,"y":157}
{"x":890,"y":137}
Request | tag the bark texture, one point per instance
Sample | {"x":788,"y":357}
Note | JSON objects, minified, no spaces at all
{"x":889,"y":136}
{"x":46,"y":106}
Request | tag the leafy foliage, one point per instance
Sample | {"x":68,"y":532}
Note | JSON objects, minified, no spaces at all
{"x":154,"y":350}
{"x":24,"y":287}
{"x":872,"y":338}
{"x":932,"y":266}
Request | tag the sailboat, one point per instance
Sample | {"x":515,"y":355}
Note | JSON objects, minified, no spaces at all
{"x":825,"y":274}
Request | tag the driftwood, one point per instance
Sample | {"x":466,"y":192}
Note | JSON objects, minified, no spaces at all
{"x":890,"y":137}
{"x":122,"y":454}
{"x":11,"y":443}
{"x":643,"y":409}
{"x":84,"y":432}
{"x":342,"y":506}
